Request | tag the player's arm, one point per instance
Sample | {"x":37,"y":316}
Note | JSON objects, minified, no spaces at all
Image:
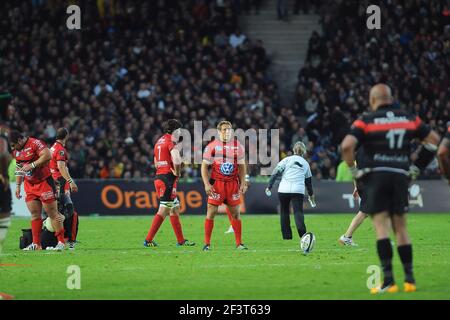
{"x":5,"y":158}
{"x":444,"y":157}
{"x":45,"y":156}
{"x":176,"y":160}
{"x":242,"y":180}
{"x":430,"y":141}
{"x":62,"y":167}
{"x":350,"y":142}
{"x":348,"y":147}
{"x":19,"y":179}
{"x":205,"y":177}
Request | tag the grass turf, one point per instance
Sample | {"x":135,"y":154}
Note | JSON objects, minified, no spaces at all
{"x":115,"y":265}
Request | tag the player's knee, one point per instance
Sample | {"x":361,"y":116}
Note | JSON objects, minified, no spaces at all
{"x":69,"y":209}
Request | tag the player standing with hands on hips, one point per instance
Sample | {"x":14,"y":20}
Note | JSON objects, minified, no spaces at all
{"x":384,"y":173}
{"x":295,"y":174}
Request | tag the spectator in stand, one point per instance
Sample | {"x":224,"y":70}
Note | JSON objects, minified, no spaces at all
{"x":134,"y":65}
{"x":343,"y":62}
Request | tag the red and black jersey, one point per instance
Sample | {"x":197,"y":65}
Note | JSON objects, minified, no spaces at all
{"x":59,"y":153}
{"x":162,"y":156}
{"x":386,"y":135}
{"x":30,"y":153}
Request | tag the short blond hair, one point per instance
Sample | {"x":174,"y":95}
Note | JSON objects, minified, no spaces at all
{"x":223,"y":122}
{"x":299,"y":148}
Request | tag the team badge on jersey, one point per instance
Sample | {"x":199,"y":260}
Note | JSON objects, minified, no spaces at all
{"x":226,"y":168}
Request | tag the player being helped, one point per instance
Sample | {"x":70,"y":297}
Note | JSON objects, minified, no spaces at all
{"x":64,"y":183}
{"x":32,"y":161}
{"x":227,"y":182}
{"x":383,"y":175}
{"x":167,"y":160}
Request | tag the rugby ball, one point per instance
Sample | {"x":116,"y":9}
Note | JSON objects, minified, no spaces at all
{"x":48,"y":225}
{"x":307,"y":242}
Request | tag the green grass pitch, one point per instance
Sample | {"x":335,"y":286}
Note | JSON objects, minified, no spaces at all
{"x":115,"y":265}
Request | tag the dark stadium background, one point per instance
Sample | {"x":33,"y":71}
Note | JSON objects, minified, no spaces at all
{"x":135,"y":64}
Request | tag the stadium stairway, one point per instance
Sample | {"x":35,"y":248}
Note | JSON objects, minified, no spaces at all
{"x":286,"y":42}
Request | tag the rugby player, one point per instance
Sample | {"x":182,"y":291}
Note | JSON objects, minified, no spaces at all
{"x":32,"y":161}
{"x":227,"y":182}
{"x":64,"y":184}
{"x":168,"y":169}
{"x":384,"y":173}
{"x":347,"y":238}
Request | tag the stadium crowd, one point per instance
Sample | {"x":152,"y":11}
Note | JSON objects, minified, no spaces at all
{"x":128,"y":69}
{"x":135,"y":64}
{"x":408,"y":53}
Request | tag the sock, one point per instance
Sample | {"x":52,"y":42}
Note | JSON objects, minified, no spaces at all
{"x":176,"y":225}
{"x":4,"y":225}
{"x":384,"y":249}
{"x":60,"y":236}
{"x":405,"y":253}
{"x":237,"y":226}
{"x":36,"y":228}
{"x":209,"y":225}
{"x":156,"y":223}
{"x":230,"y":217}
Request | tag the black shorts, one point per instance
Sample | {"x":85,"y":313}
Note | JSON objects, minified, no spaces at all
{"x":384,"y":191}
{"x":166,"y":187}
{"x":5,"y":199}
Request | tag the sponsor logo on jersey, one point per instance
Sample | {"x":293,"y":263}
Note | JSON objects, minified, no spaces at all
{"x":227,"y":168}
{"x":161,"y":163}
{"x":390,"y":118}
{"x":236,"y":196}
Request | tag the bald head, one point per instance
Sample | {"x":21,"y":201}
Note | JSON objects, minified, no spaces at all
{"x":380,"y":94}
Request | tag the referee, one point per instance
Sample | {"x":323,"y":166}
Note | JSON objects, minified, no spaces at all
{"x":295,"y":173}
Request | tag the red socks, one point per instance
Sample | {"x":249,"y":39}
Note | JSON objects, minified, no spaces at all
{"x":36,"y":228}
{"x":230,"y":217}
{"x":176,"y":225}
{"x":157,"y":221}
{"x":209,"y":225}
{"x":60,"y":236}
{"x":237,"y":227}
